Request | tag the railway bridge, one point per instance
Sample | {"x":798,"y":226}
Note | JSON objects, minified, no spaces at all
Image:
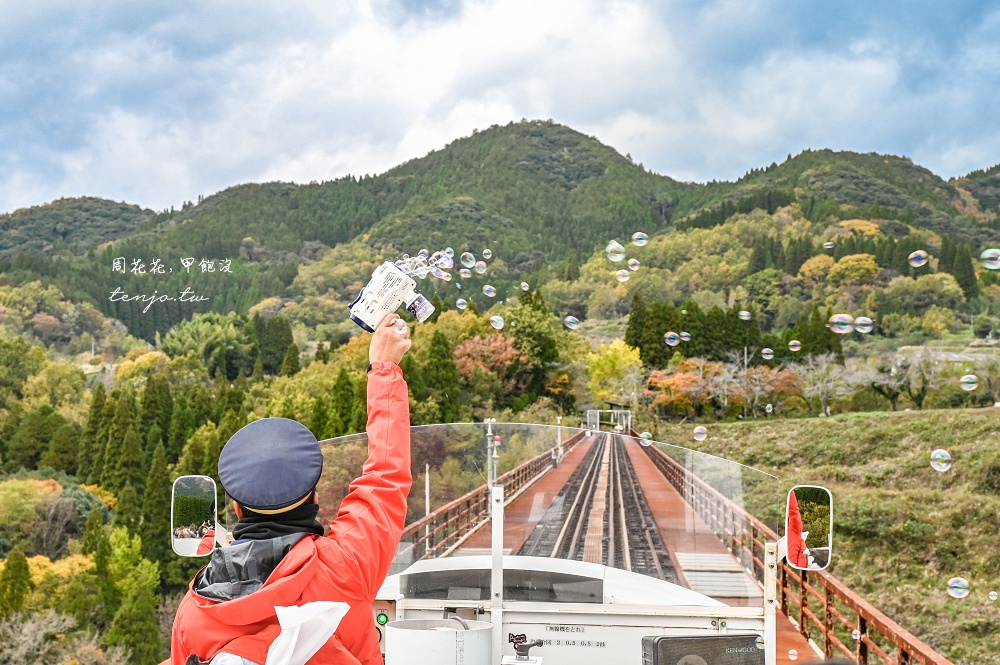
{"x":611,"y":498}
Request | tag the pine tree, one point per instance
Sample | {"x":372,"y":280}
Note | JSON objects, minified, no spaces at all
{"x":318,"y":418}
{"x":125,"y":469}
{"x":92,"y":531}
{"x":156,"y":407}
{"x":290,"y":366}
{"x":33,"y":437}
{"x":120,"y":424}
{"x":156,"y":509}
{"x":964,"y":273}
{"x":127,"y":512}
{"x":342,"y":398}
{"x":947,"y":259}
{"x":359,"y":414}
{"x":88,"y":442}
{"x":181,"y":426}
{"x":441,"y":376}
{"x":15,"y":583}
{"x":62,"y":452}
{"x":135,"y":627}
{"x":636,"y":322}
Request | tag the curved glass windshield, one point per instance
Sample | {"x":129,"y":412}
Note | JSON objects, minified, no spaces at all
{"x":590,"y":516}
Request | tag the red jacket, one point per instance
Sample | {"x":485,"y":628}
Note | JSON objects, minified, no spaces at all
{"x":348,"y":565}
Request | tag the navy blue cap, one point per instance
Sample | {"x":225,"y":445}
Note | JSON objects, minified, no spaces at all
{"x":271,"y":465}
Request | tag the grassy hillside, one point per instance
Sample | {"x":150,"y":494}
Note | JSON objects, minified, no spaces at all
{"x":69,"y":225}
{"x":901,"y":529}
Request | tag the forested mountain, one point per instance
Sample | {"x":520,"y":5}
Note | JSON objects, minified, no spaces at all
{"x":540,"y":195}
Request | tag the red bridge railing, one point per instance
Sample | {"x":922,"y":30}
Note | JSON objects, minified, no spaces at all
{"x":825,"y":608}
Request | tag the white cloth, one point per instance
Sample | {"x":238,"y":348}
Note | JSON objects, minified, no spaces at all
{"x":304,"y":629}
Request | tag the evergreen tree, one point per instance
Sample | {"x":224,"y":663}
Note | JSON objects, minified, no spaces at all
{"x":135,"y":627}
{"x":181,"y":426}
{"x":10,"y":425}
{"x":318,"y":418}
{"x":15,"y":583}
{"x":947,"y":259}
{"x":102,"y":568}
{"x":258,"y":371}
{"x":964,"y":273}
{"x":33,"y":437}
{"x":441,"y":376}
{"x":62,"y":452}
{"x":636,"y":322}
{"x":125,"y":469}
{"x":322,"y":353}
{"x":290,"y":366}
{"x":156,"y":509}
{"x":414,"y":377}
{"x":120,"y":424}
{"x":715,"y":334}
{"x":92,"y":531}
{"x":127,"y":512}
{"x":359,"y":414}
{"x":342,"y":398}
{"x":156,"y":407}
{"x":88,"y":442}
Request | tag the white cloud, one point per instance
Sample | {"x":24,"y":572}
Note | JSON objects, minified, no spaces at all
{"x":159,"y":104}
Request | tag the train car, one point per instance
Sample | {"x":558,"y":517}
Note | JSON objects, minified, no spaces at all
{"x":601,"y":547}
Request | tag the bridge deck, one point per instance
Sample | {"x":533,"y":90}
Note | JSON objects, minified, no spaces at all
{"x":698,"y":555}
{"x":523,"y":514}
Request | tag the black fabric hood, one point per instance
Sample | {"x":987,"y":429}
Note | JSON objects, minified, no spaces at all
{"x":240,"y":569}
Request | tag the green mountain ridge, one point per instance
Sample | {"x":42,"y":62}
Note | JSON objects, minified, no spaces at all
{"x":539,"y":194}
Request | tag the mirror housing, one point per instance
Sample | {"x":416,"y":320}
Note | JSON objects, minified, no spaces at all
{"x":193,"y":516}
{"x":809,"y":527}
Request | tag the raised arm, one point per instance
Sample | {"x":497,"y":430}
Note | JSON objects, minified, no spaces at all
{"x":373,"y":514}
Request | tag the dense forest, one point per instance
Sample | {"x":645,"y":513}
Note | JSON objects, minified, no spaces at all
{"x":831,"y":283}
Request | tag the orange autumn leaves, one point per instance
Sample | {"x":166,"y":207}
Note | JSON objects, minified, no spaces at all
{"x":696,"y":382}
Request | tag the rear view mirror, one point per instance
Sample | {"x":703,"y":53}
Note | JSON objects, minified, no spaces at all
{"x":809,"y":527}
{"x":193,"y":516}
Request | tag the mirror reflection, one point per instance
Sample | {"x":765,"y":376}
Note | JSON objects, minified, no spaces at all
{"x":193,"y":516}
{"x":809,"y":527}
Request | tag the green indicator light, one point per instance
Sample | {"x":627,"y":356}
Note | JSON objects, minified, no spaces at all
{"x":382,"y":618}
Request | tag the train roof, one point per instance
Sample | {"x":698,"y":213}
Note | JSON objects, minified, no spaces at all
{"x":540,"y":579}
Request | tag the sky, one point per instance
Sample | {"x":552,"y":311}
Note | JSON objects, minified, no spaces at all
{"x":158,"y":102}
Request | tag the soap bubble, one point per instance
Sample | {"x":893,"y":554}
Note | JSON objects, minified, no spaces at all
{"x":993,"y":595}
{"x":524,"y":286}
{"x":423,"y":253}
{"x":615,"y":251}
{"x":622,"y":275}
{"x":700,"y":433}
{"x":496,"y":322}
{"x":465,"y":273}
{"x":645,"y":438}
{"x":969,"y":382}
{"x":461,"y":303}
{"x":571,"y":322}
{"x":841,"y":323}
{"x":672,"y":339}
{"x":864,"y":325}
{"x":990,"y":258}
{"x":793,"y":654}
{"x":768,"y":409}
{"x":941,"y":460}
{"x":633,"y":264}
{"x":767,"y":354}
{"x":449,"y":252}
{"x":917,"y":258}
{"x":856,"y":634}
{"x":437,"y":272}
{"x":639,"y":238}
{"x":794,"y":345}
{"x":744,"y":315}
{"x":480,"y":267}
{"x":487,"y":254}
{"x":446,"y":276}
{"x":760,"y":641}
{"x":685,"y":336}
{"x":829,"y":245}
{"x":468,"y":259}
{"x":489,"y":290}
{"x":958,"y":587}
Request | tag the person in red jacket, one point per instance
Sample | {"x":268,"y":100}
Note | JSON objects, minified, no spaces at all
{"x":280,"y":556}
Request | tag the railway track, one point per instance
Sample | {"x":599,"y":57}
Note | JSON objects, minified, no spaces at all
{"x":602,"y":516}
